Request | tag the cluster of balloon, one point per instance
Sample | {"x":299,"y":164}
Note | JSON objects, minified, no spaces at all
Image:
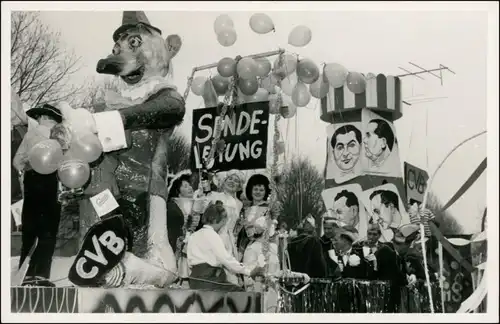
{"x":72,"y":166}
{"x":224,"y":29}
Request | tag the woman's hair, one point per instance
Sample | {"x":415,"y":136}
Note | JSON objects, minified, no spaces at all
{"x":257,"y":180}
{"x":176,"y":185}
{"x":215,"y":213}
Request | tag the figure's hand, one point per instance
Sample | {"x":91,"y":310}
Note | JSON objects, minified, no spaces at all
{"x":412,"y":280}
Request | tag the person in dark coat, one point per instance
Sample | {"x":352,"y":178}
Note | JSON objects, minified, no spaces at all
{"x":41,"y":212}
{"x":349,"y":258}
{"x":330,"y":229}
{"x":305,"y":250}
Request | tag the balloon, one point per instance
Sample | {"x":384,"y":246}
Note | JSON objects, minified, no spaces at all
{"x":274,"y":105}
{"x":269,"y":83}
{"x":86,"y":147}
{"x":307,"y":71}
{"x":301,"y":95}
{"x":261,"y":23}
{"x":227,"y":37}
{"x":336,"y":74}
{"x":248,"y":86}
{"x":319,"y":89}
{"x":246,"y":68}
{"x":260,"y":95}
{"x":45,"y":156}
{"x":288,"y":84}
{"x":300,"y":36}
{"x":198,"y":85}
{"x":223,"y":22}
{"x":288,"y":111}
{"x":226,"y":67}
{"x":209,"y":95}
{"x":221,"y":84}
{"x":81,"y":121}
{"x":263,"y":67}
{"x":356,"y":82}
{"x":286,"y":67}
{"x":73,"y":173}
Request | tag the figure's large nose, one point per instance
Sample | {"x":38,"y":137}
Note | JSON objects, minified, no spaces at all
{"x":107,"y":66}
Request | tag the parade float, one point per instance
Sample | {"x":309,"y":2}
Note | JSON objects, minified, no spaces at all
{"x":111,"y":273}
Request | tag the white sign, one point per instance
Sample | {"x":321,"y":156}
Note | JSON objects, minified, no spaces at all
{"x":110,"y":130}
{"x":17,"y":210}
{"x":104,"y":203}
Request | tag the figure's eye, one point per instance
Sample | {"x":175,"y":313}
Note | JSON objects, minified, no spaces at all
{"x":135,"y":42}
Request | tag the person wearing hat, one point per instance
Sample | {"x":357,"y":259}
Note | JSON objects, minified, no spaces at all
{"x":330,"y":230}
{"x":347,"y":257}
{"x":257,"y":191}
{"x":305,"y":250}
{"x":41,"y":210}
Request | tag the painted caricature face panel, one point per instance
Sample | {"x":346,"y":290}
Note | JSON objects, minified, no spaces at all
{"x":374,"y":145}
{"x":346,"y":151}
{"x":258,"y":193}
{"x":186,"y":190}
{"x":348,"y":215}
{"x":381,"y":214}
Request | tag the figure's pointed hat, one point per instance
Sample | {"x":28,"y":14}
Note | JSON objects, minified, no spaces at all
{"x":132,"y":19}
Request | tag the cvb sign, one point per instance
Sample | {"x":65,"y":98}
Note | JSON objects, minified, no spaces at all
{"x":415,"y":183}
{"x":245,"y":133}
{"x":102,"y":249}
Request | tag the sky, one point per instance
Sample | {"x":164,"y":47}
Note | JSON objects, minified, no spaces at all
{"x":362,"y":41}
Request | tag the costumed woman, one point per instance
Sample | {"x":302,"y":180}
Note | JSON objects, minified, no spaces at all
{"x":181,"y":218}
{"x":257,"y":191}
{"x":228,"y":184}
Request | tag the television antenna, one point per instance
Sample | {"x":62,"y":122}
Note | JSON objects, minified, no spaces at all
{"x":422,"y":71}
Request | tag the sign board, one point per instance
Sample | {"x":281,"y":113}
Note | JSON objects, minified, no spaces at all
{"x":415,"y":183}
{"x":245,"y":133}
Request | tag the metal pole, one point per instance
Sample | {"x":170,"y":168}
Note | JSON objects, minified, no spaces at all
{"x":255,"y":56}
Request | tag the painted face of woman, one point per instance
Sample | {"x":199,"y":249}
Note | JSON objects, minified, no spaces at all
{"x":186,"y":190}
{"x":258,"y":193}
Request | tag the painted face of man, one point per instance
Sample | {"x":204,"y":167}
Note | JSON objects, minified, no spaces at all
{"x":374,"y":145}
{"x":346,"y":151}
{"x":348,"y":215}
{"x":382,"y":214}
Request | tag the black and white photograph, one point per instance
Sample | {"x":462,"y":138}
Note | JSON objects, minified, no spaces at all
{"x":169,"y":158}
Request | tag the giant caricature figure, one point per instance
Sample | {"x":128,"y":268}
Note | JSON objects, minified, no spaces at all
{"x":146,"y":112}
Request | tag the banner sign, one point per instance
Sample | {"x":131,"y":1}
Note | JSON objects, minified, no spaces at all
{"x":458,"y":284}
{"x":245,"y":133}
{"x":415,"y":183}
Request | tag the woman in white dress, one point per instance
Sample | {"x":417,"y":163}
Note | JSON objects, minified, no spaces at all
{"x":228,"y":184}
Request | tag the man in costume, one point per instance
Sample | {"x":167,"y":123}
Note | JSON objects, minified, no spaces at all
{"x":137,"y":123}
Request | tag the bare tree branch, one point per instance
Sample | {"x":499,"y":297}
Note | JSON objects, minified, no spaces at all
{"x":41,"y":68}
